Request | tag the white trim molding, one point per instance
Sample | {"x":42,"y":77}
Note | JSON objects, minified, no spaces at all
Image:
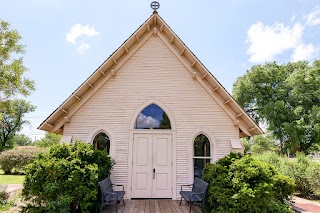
{"x":153,"y":131}
{"x":104,"y":129}
{"x":158,"y":103}
{"x":213,"y":148}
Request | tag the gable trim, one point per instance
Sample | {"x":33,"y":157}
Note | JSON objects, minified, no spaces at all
{"x":100,"y":82}
{"x":55,"y":122}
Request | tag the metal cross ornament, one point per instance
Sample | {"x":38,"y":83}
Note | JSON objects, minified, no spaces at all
{"x":155,"y":5}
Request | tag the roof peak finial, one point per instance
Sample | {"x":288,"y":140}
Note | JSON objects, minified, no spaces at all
{"x":155,"y":6}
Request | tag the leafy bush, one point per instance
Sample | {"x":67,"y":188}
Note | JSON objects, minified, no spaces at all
{"x":15,"y":160}
{"x":5,"y":204}
{"x":244,"y":184}
{"x":65,"y":178}
{"x":48,"y":140}
{"x":3,"y":194}
{"x":260,"y":144}
{"x":302,"y":169}
{"x":273,"y":159}
{"x":20,"y":140}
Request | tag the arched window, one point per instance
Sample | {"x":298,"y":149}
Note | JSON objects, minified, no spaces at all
{"x":152,"y":117}
{"x":102,"y":142}
{"x":201,"y":154}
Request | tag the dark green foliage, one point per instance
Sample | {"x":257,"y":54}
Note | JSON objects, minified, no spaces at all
{"x":65,"y":179}
{"x":286,"y":98}
{"x":243,"y":184}
{"x":11,"y":119}
{"x":15,"y":160}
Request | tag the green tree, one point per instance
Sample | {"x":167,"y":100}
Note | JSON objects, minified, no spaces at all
{"x":165,"y":122}
{"x":12,"y":81}
{"x":262,"y":143}
{"x":21,"y":140}
{"x":286,"y":98}
{"x":12,"y":120}
{"x":48,"y":140}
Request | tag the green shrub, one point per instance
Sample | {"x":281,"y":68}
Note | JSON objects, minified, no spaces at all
{"x":5,"y":204}
{"x":15,"y":160}
{"x":3,"y":194}
{"x":273,"y":159}
{"x":244,"y":184}
{"x":302,"y":169}
{"x":48,"y":140}
{"x":65,"y":179}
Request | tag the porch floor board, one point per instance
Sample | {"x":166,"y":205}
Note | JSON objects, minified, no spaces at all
{"x":152,"y":206}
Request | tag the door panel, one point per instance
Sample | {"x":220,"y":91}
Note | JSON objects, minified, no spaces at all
{"x":142,"y":166}
{"x":151,"y":166}
{"x":162,"y":187}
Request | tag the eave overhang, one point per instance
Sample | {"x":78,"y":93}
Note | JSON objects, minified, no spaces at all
{"x":154,"y":26}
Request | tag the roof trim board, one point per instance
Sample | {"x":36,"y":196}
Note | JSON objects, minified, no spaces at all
{"x":155,"y":26}
{"x":100,"y":83}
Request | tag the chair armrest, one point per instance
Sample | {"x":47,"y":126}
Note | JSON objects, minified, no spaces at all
{"x":111,"y":193}
{"x":193,"y":194}
{"x":119,"y":185}
{"x":186,"y":185}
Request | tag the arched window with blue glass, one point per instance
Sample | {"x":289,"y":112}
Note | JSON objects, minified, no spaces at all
{"x":152,"y":117}
{"x":201,"y":154}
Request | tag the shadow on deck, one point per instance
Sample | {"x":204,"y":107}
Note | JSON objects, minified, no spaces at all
{"x":152,"y":206}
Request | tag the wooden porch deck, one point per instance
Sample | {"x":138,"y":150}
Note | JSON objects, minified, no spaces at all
{"x":152,"y":206}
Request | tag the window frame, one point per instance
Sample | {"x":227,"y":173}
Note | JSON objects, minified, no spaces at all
{"x":95,"y":145}
{"x":108,"y":132}
{"x":210,"y":158}
{"x":163,"y":110}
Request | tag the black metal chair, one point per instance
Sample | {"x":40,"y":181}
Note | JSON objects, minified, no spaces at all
{"x":108,"y":196}
{"x":197,"y":195}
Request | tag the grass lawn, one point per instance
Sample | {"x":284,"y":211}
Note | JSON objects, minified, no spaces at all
{"x":11,"y":179}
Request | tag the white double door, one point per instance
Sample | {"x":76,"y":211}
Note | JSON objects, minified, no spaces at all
{"x":152,"y":166}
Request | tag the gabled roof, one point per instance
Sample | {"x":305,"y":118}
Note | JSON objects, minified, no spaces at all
{"x":153,"y":26}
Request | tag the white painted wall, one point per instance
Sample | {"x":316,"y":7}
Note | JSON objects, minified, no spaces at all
{"x":154,"y":73}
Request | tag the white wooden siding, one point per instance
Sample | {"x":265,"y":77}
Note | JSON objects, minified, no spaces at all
{"x":153,"y":72}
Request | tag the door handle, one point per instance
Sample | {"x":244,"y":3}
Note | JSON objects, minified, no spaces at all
{"x":154,"y":173}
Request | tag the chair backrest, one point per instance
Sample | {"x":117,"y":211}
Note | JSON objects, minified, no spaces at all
{"x":199,"y":186}
{"x":106,"y":185}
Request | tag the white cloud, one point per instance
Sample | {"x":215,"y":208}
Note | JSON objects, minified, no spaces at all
{"x":83,"y":47}
{"x":266,"y":42}
{"x":144,"y":121}
{"x":303,"y":52}
{"x":79,"y":32}
{"x":313,"y":18}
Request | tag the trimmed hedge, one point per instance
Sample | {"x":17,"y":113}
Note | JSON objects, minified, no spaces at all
{"x":15,"y":160}
{"x":244,"y":184}
{"x":65,"y":179}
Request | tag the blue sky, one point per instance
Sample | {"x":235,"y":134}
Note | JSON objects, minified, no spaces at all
{"x":67,"y":40}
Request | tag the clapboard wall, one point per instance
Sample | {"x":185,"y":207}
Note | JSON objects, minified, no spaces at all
{"x":154,"y":73}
